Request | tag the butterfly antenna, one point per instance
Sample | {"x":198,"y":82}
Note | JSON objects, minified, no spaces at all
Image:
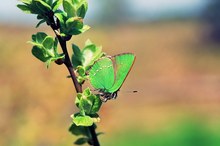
{"x":134,"y":91}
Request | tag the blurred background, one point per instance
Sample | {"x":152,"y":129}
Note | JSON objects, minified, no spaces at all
{"x":176,"y":74}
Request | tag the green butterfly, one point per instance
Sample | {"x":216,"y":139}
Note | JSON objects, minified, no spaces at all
{"x":109,"y":73}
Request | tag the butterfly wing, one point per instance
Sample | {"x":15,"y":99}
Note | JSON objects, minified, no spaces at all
{"x":122,"y":66}
{"x":101,"y":74}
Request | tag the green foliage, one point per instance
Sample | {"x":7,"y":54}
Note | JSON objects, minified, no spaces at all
{"x":81,"y":141}
{"x":75,"y":8}
{"x":42,"y":8}
{"x":89,"y":54}
{"x":83,"y":59}
{"x":89,"y":104}
{"x":70,"y":21}
{"x":45,"y":48}
{"x":83,"y":132}
{"x":66,"y":22}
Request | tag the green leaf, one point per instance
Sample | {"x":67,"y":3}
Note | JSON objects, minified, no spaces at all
{"x":95,"y":118}
{"x":54,"y":58}
{"x":55,"y":44}
{"x":69,"y":8}
{"x":75,"y":31}
{"x":83,"y":103}
{"x":81,"y":11}
{"x":79,"y":103}
{"x":39,"y":23}
{"x":81,"y":141}
{"x":24,"y":8}
{"x":88,"y":103}
{"x":87,"y":92}
{"x":45,"y":48}
{"x":35,"y":9}
{"x":43,"y":5}
{"x":48,"y":42}
{"x":40,"y":36}
{"x":96,"y":103}
{"x":91,"y":53}
{"x":26,"y":1}
{"x":80,"y":120}
{"x":77,"y":56}
{"x":81,"y":74}
{"x":74,"y":23}
{"x":49,"y":2}
{"x":81,"y":79}
{"x":56,"y":4}
{"x":34,"y":38}
{"x":86,"y":58}
{"x":39,"y":53}
{"x":81,"y":71}
{"x":79,"y":130}
{"x":61,"y":17}
{"x":37,"y":39}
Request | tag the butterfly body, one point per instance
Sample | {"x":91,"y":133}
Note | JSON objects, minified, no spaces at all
{"x":108,"y":74}
{"x":107,"y":95}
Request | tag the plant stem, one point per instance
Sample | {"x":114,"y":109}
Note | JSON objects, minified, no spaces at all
{"x":94,"y":135}
{"x":68,"y":64}
{"x":77,"y":85}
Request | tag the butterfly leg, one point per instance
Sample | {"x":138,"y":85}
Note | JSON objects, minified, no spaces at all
{"x":105,"y":96}
{"x":114,"y":95}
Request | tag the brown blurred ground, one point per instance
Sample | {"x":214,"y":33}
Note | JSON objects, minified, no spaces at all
{"x":176,"y":74}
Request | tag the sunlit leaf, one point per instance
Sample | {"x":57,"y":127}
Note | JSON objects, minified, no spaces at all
{"x":69,"y":8}
{"x":26,"y":1}
{"x":76,"y":31}
{"x":81,"y":11}
{"x":74,"y":23}
{"x":56,"y":4}
{"x":82,"y":120}
{"x":91,"y":53}
{"x":96,"y":103}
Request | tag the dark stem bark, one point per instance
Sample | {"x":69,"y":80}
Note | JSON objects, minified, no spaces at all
{"x":77,"y":86}
{"x":68,"y":64}
{"x":94,"y":135}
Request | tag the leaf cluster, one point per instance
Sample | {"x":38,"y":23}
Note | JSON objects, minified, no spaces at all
{"x":88,"y":104}
{"x":45,"y":48}
{"x":69,"y":19}
{"x":85,"y":58}
{"x":65,"y":17}
{"x":69,"y":15}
